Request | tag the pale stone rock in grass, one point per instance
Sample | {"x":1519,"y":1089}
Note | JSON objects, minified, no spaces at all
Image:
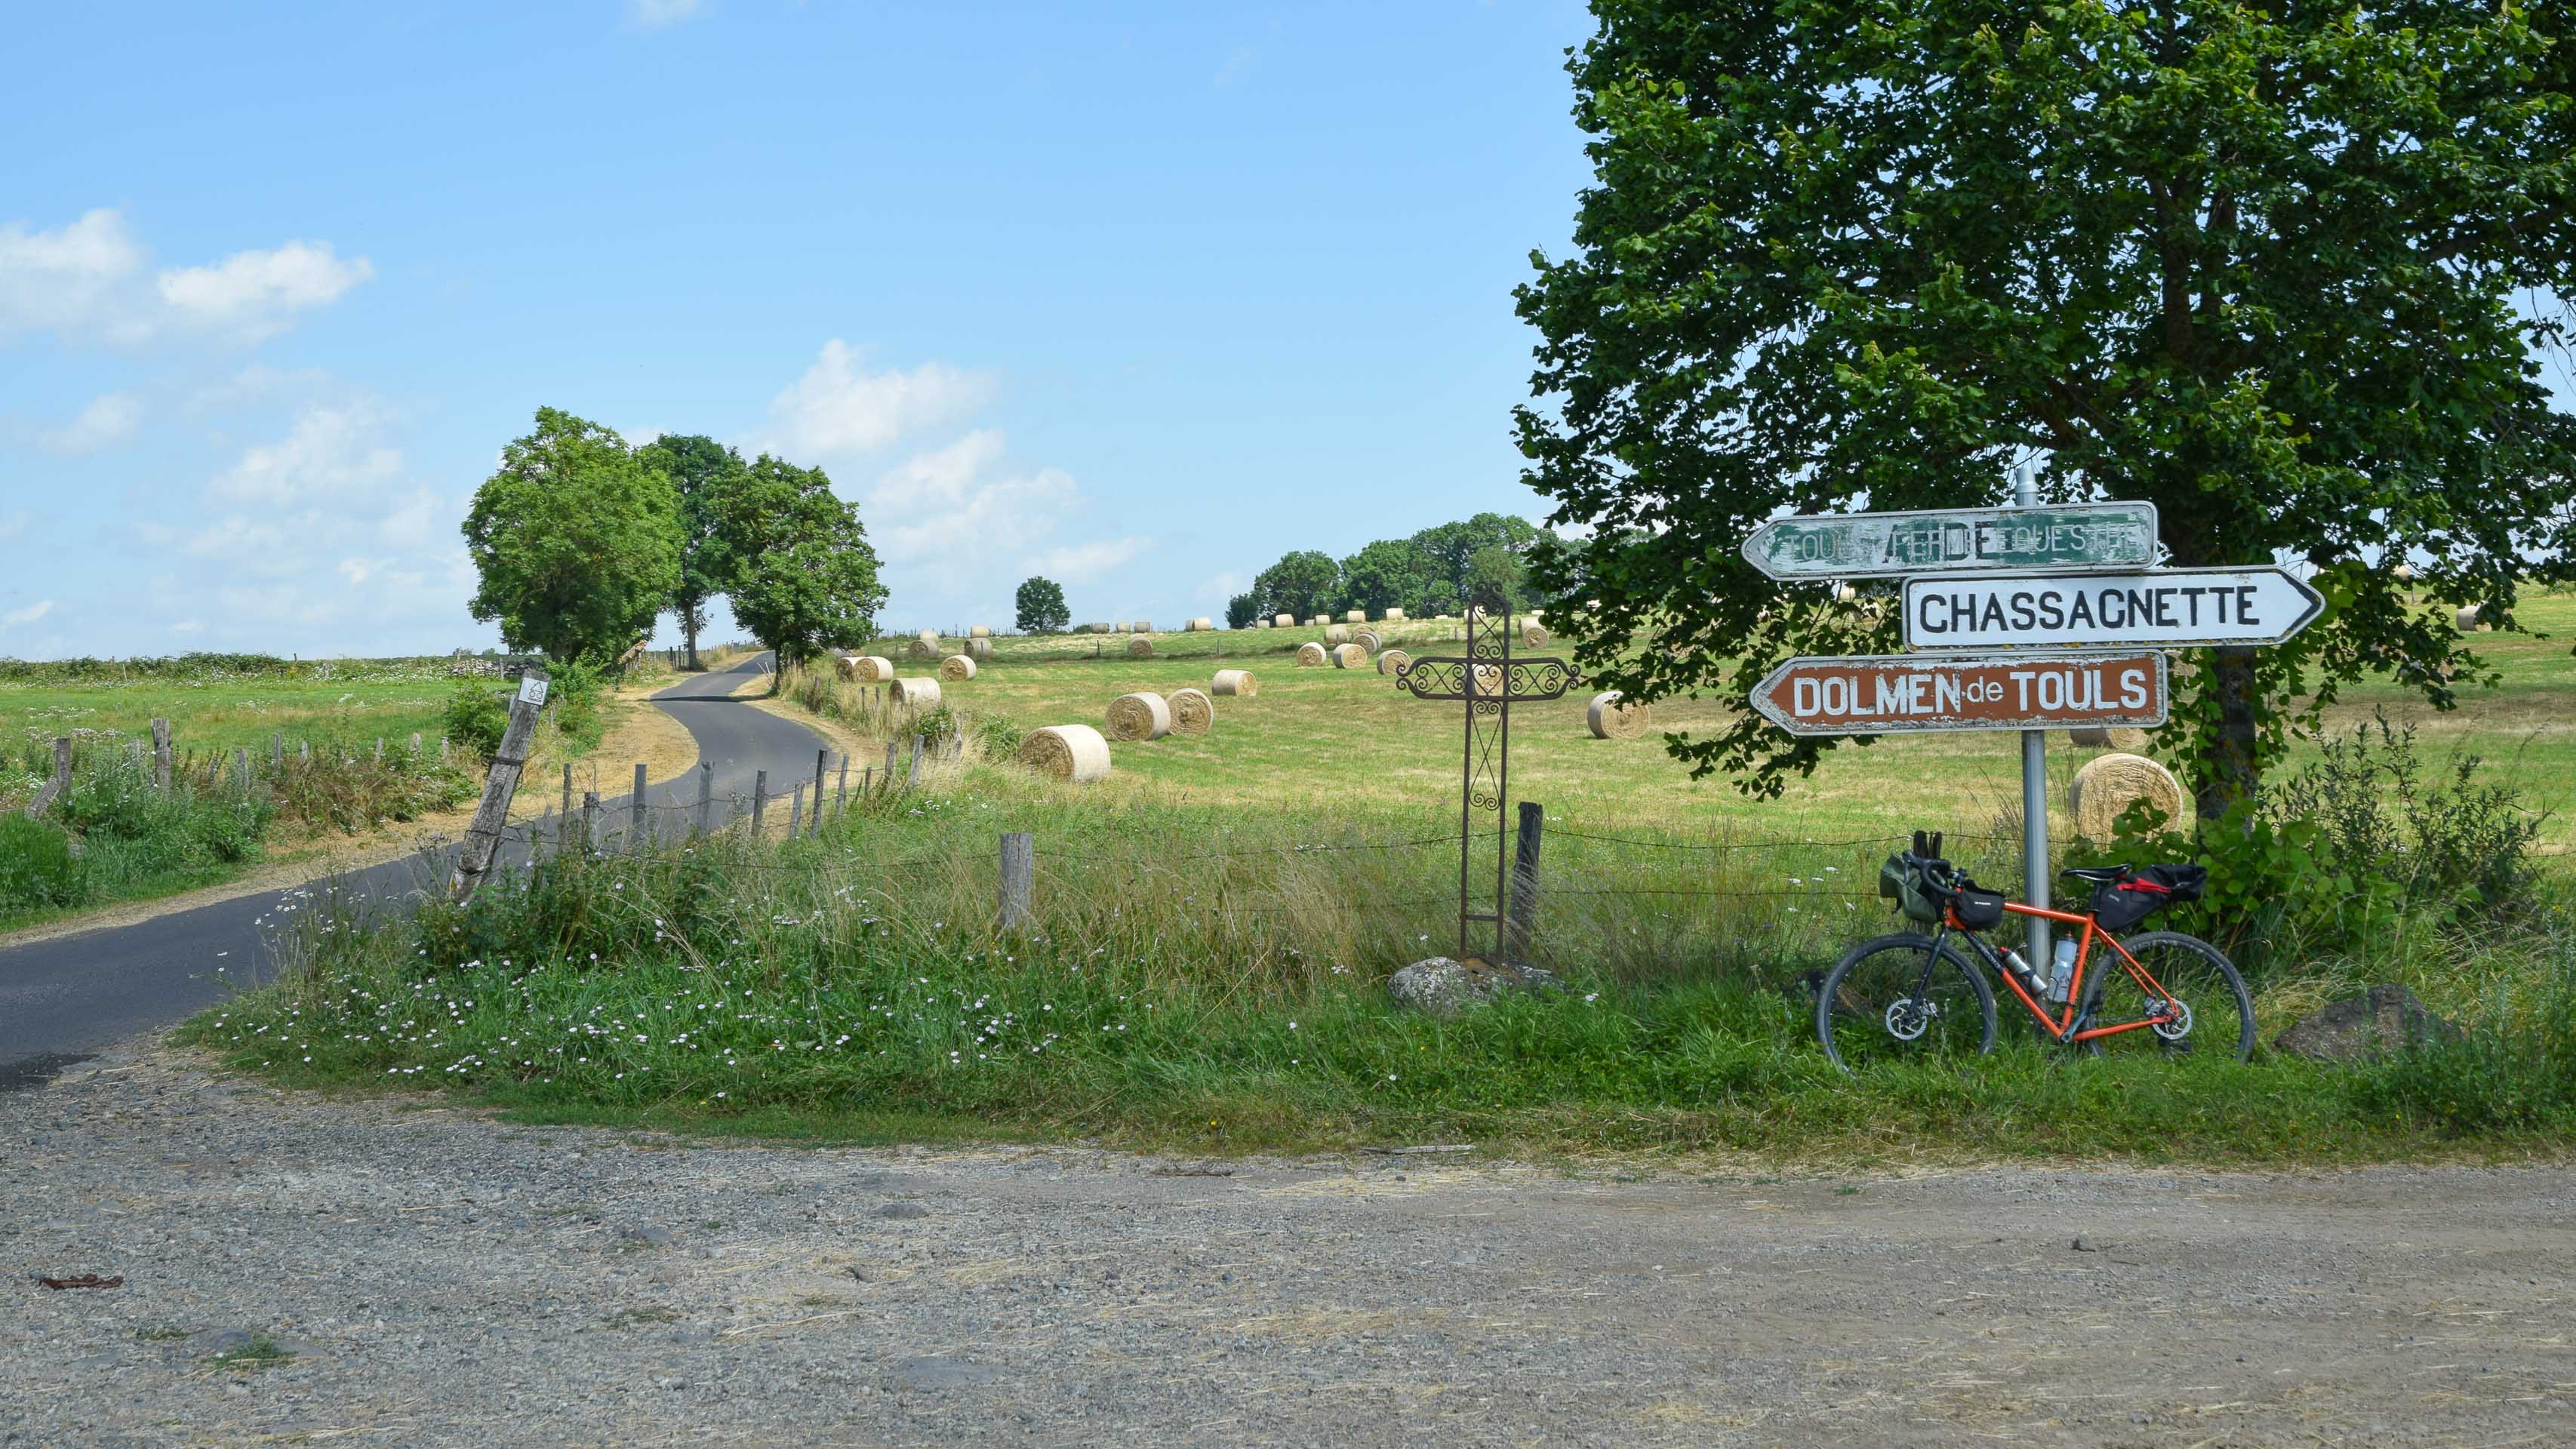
{"x":2383,"y":1019}
{"x":1444,"y":987}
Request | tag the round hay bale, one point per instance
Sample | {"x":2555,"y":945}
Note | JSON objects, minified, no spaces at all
{"x":1368,"y":639}
{"x":847,"y":665}
{"x":1236,"y":682}
{"x":1534,"y":634}
{"x":1310,"y":655}
{"x":2467,"y":619}
{"x":871,"y":669}
{"x":2108,"y":783}
{"x":2403,"y":573}
{"x":1139,"y":717}
{"x":1846,"y":594}
{"x":979,"y":648}
{"x":1337,"y":635}
{"x":1349,"y":656}
{"x":915,"y":693}
{"x":1395,"y":616}
{"x":2127,"y":740}
{"x":1262,"y":624}
{"x":1193,"y":713}
{"x":1392,"y":660}
{"x":1073,"y":752}
{"x":1203,"y":625}
{"x":1355,"y":616}
{"x":921,"y":649}
{"x":1143,"y":626}
{"x":1613,"y":718}
{"x":1317,"y":622}
{"x":1283,"y":621}
{"x":957,"y":668}
{"x":929,"y":637}
{"x":1139,"y":647}
{"x":980,"y":631}
{"x":1489,"y":680}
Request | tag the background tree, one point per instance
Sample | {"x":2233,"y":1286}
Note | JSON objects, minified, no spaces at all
{"x":1242,"y":611}
{"x":1391,"y":571}
{"x":1041,"y":607}
{"x":702,"y":471}
{"x":1304,"y":583}
{"x":2264,"y":266}
{"x":806,"y":576}
{"x":1495,"y":576}
{"x":576,"y":541}
{"x":1449,"y":549}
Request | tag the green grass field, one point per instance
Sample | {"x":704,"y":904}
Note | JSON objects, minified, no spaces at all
{"x":362,"y":700}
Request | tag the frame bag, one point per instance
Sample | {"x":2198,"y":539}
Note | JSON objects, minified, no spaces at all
{"x":2123,"y":903}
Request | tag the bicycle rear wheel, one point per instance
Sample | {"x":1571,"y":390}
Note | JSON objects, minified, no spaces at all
{"x":1879,"y":1003}
{"x":2218,"y":1012}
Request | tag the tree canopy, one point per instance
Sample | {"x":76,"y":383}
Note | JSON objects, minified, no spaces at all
{"x":702,"y":473}
{"x":807,"y":579}
{"x":2272,"y":268}
{"x":576,"y":541}
{"x":1426,"y":574}
{"x":1041,"y":607}
{"x":1304,"y":583}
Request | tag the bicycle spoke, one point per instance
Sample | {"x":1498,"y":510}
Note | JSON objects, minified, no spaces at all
{"x":1882,"y":1008}
{"x":2202,"y":1010}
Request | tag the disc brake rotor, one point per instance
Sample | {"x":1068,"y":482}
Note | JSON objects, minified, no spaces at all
{"x":2179,"y":1024}
{"x":1908,"y":1018}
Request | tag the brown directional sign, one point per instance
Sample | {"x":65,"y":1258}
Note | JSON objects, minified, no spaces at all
{"x":2021,"y":690}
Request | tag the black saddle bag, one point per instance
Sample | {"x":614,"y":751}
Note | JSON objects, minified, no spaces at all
{"x":1979,"y":910}
{"x":2123,"y":903}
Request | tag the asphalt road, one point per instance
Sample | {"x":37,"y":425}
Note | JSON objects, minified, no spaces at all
{"x":64,"y":997}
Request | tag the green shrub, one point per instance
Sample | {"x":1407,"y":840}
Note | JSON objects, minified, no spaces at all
{"x":476,"y":717}
{"x":576,"y":693}
{"x":37,"y":870}
{"x":2450,"y":841}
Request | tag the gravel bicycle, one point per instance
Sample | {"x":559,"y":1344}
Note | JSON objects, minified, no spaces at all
{"x":1911,"y":997}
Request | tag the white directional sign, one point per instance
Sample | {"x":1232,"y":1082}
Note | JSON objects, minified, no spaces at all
{"x":532,"y":690}
{"x":2169,"y":608}
{"x":1964,"y":540}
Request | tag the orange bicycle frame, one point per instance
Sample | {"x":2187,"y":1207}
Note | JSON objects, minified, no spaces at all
{"x":2062,"y":1028}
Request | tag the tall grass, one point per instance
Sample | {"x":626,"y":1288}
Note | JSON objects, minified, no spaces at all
{"x":1195,"y":977}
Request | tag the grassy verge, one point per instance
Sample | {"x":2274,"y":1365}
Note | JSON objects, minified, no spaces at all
{"x":1202,"y":979}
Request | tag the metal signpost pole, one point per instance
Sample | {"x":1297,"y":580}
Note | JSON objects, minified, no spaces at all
{"x":2034,"y":788}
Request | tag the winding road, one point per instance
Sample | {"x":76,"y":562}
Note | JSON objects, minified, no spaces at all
{"x":63,"y":997}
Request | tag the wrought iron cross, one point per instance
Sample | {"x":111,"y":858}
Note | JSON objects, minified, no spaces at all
{"x":1489,"y":680}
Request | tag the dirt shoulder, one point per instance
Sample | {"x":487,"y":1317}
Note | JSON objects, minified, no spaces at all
{"x":642,"y":734}
{"x":401,"y":1269}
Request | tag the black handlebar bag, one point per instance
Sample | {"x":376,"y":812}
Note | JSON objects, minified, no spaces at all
{"x":2123,"y":903}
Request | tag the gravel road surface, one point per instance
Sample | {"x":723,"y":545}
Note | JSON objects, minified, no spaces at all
{"x":63,"y":996}
{"x":299,"y":1270}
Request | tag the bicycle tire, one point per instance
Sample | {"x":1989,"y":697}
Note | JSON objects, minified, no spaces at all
{"x":2189,"y":968}
{"x":1861,"y":990}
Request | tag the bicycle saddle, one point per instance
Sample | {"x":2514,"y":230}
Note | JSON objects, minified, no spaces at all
{"x":2097,"y":874}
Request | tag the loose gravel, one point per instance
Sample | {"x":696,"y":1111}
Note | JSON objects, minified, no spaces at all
{"x":301,"y":1270}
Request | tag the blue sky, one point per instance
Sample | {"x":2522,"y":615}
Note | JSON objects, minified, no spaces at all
{"x":1136,"y":296}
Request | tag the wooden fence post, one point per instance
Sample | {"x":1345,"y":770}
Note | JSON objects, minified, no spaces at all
{"x":706,"y":796}
{"x":61,"y":781}
{"x":567,"y":790}
{"x":890,"y":748}
{"x":841,"y":792}
{"x":1524,"y":908}
{"x":1019,"y":865}
{"x":483,"y":837}
{"x":635,"y":817}
{"x":759,"y":800}
{"x":380,"y":749}
{"x":821,"y":758}
{"x":241,"y":769}
{"x":589,"y":821}
{"x":442,"y":749}
{"x":912,"y":776}
{"x":161,"y":755}
{"x":796,"y":810}
{"x":276,"y":751}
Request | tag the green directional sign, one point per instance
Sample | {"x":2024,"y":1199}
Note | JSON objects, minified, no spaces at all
{"x":1887,"y":545}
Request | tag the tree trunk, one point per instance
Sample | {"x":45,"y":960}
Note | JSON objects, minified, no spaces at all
{"x":2228,"y":772}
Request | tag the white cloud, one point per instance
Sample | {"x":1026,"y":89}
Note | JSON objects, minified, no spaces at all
{"x":109,"y":418}
{"x":15,"y":524}
{"x":84,"y":282}
{"x":655,"y":14}
{"x":840,"y":410}
{"x":1089,"y":563}
{"x":64,"y":279}
{"x":257,"y":293}
{"x":1223,"y":587}
{"x":27,"y":615}
{"x":331,"y":453}
{"x":1237,"y":65}
{"x":189,"y":626}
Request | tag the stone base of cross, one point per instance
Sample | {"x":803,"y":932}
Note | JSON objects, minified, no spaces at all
{"x":1488,"y":680}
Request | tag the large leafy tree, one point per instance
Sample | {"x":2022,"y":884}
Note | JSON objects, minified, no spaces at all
{"x":576,"y":540}
{"x":1242,"y":611}
{"x":1389,"y":571}
{"x":1304,"y":583}
{"x":2273,"y":267}
{"x":702,"y":472}
{"x":1041,"y":607}
{"x":1449,"y":552}
{"x":807,"y":577}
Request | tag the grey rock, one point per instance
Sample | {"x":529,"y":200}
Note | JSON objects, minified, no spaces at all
{"x":2384,"y":1018}
{"x":644,"y":1237}
{"x":903,"y":1208}
{"x":1444,"y":987}
{"x":229,"y":1341}
{"x":939,"y":1373}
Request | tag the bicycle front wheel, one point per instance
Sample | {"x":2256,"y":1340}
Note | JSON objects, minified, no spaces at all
{"x":2216,"y":1011}
{"x":1891,"y":999}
